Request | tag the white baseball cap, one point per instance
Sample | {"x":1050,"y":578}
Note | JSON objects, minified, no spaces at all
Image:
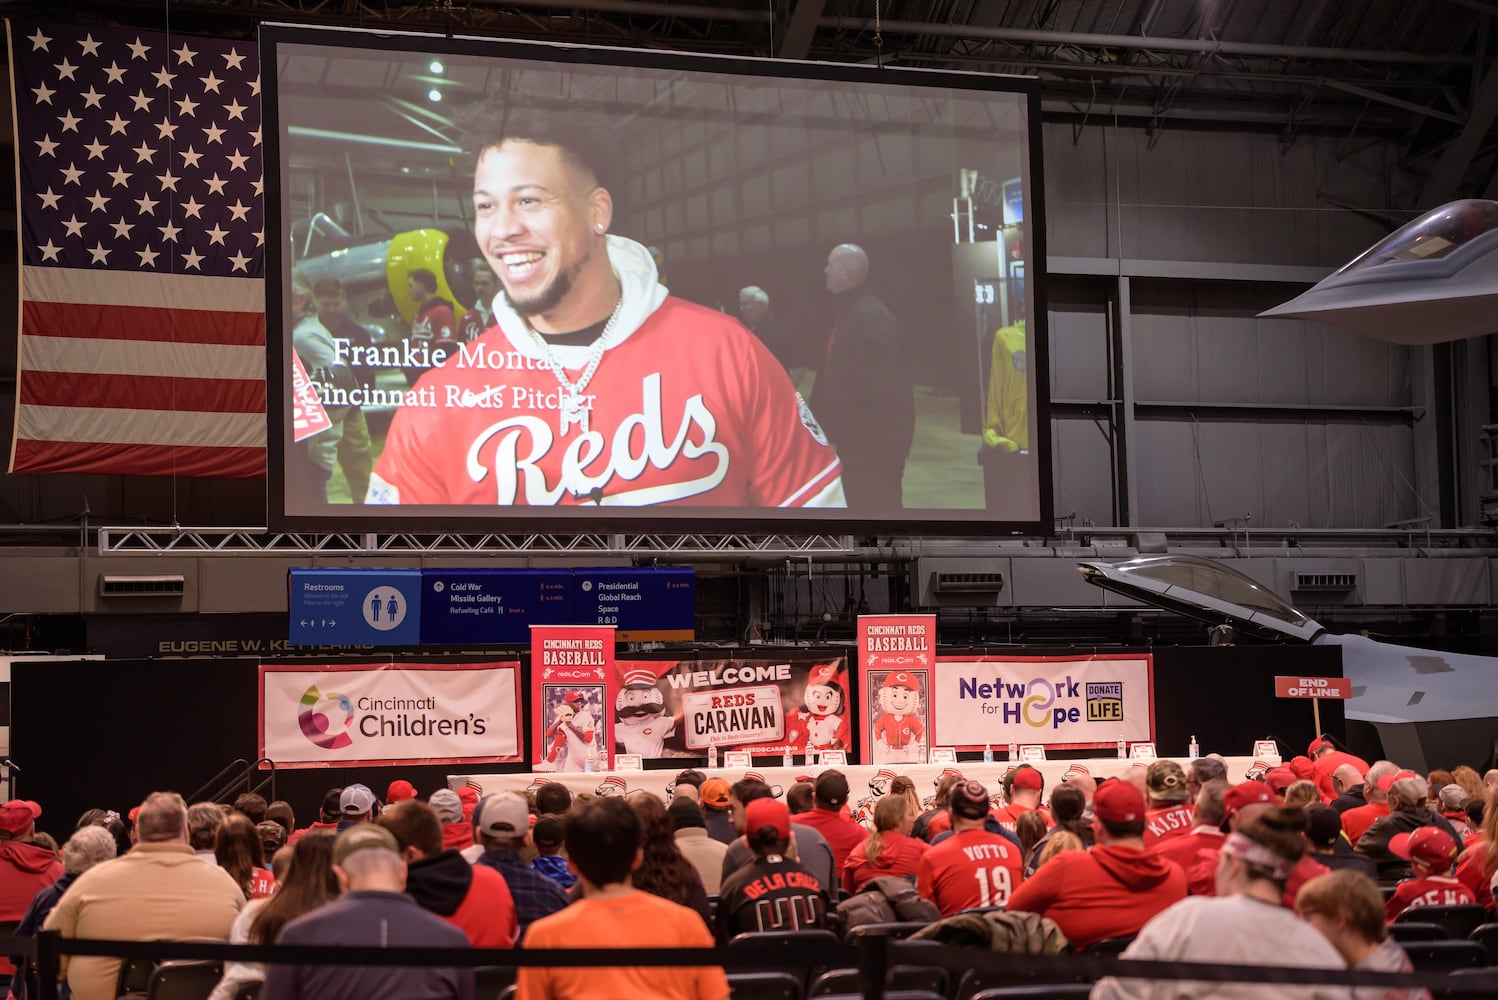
{"x":502,"y":814}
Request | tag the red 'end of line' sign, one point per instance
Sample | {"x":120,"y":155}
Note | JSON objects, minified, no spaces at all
{"x":1312,"y":687}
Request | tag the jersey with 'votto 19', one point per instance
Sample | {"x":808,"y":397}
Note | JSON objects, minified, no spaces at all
{"x":687,"y":408}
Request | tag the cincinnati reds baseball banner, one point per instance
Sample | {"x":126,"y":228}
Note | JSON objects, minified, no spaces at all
{"x":572,"y":689}
{"x":896,"y":654}
{"x":679,"y":708}
{"x":1062,"y":702}
{"x":349,"y":715}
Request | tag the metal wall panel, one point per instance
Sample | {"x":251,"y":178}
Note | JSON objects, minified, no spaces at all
{"x":1080,"y":471}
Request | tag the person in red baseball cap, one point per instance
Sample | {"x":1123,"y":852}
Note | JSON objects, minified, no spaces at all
{"x":773,"y":892}
{"x":1431,"y":853}
{"x":25,"y":868}
{"x":1326,"y":758}
{"x":1241,"y":803}
{"x":1112,"y":890}
{"x":399,"y":791}
{"x":1023,"y":791}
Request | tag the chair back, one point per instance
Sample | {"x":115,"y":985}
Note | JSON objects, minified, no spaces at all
{"x":1444,"y":956}
{"x":1457,"y":921}
{"x":183,"y":980}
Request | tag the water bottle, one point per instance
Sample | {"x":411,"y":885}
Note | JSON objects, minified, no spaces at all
{"x":590,"y":763}
{"x":787,"y":759}
{"x":988,"y":753}
{"x":1194,"y":750}
{"x":1123,"y":748}
{"x":712,"y":756}
{"x":1013,"y":751}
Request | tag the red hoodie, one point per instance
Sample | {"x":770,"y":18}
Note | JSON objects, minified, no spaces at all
{"x":456,"y":835}
{"x":1109,"y":891}
{"x":25,"y":870}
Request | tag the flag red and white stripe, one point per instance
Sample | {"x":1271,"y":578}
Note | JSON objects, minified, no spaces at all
{"x":142,"y":344}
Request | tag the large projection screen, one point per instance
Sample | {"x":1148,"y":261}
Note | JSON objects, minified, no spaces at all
{"x":565,"y":288}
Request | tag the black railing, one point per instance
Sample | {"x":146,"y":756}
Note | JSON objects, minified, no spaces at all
{"x":227,"y":781}
{"x":873,"y":956}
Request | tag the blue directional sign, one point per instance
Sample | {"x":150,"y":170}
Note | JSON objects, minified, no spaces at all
{"x":645,"y":604}
{"x":355,"y":607}
{"x":492,"y":606}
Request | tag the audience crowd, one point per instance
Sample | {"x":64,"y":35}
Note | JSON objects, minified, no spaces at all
{"x":1304,"y":865}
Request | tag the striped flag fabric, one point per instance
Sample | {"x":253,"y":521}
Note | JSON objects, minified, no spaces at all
{"x":142,"y":341}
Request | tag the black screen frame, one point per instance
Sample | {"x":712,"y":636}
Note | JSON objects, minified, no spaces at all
{"x":672,"y":520}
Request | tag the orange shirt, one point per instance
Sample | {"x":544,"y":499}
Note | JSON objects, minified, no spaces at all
{"x":638,"y":920}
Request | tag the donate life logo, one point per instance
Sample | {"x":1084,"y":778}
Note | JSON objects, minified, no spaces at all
{"x":317,"y":718}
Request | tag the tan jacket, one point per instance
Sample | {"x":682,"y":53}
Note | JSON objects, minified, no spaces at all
{"x":704,"y":854}
{"x":156,"y":892}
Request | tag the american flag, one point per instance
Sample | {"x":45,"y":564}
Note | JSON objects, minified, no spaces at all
{"x":142,"y":249}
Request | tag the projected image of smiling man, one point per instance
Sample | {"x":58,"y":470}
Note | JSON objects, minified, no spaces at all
{"x":595,"y":385}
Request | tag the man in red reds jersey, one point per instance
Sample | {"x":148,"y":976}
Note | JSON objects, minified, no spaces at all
{"x":595,"y":385}
{"x":1432,"y":854}
{"x":972,"y":867}
{"x":1169,"y":814}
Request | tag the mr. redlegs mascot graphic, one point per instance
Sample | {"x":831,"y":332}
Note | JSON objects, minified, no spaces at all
{"x":641,"y":724}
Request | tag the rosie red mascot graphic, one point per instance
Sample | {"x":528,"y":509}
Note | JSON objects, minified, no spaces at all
{"x":822,"y":721}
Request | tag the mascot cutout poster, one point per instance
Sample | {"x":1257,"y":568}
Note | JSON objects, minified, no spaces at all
{"x":679,"y":708}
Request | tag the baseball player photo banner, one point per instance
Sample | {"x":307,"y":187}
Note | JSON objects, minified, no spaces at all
{"x":895,"y":657}
{"x":1060,"y":702}
{"x":352,"y":715}
{"x":572,"y":687}
{"x":680,"y":708}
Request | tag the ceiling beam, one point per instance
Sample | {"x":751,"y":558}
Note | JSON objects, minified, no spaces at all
{"x":798,"y":34}
{"x":1374,"y":95}
{"x":1446,"y":179}
{"x":1086,"y":40}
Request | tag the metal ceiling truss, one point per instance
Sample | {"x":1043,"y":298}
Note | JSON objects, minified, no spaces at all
{"x":1207,"y":74}
{"x":179,"y":540}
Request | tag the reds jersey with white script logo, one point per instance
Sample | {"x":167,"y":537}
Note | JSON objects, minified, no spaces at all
{"x":690,"y":409}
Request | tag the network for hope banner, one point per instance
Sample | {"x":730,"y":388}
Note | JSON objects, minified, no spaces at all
{"x":679,"y":708}
{"x":572,"y":696}
{"x":1061,"y":702}
{"x":350,"y":715}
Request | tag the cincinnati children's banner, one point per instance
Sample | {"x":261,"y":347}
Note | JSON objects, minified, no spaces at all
{"x":896,"y":654}
{"x":1062,"y":702}
{"x":679,"y":708}
{"x":572,"y":689}
{"x":390,"y":713}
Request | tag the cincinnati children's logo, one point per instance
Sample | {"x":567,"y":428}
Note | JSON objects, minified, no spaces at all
{"x":1043,"y":703}
{"x":330,"y":720}
{"x":326,"y":718}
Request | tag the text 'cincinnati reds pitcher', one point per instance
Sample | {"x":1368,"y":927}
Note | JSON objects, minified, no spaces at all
{"x":595,"y":385}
